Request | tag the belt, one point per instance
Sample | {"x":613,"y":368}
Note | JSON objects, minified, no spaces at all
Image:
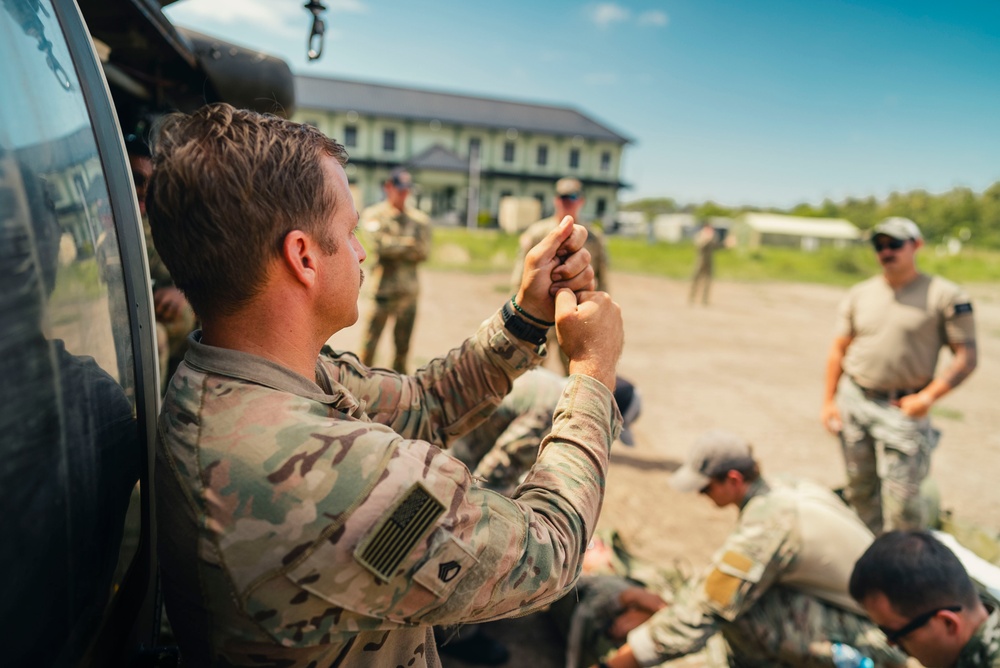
{"x":885,"y":395}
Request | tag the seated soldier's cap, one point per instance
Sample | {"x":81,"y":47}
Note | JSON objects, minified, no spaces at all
{"x":903,"y":229}
{"x":715,"y":453}
{"x":630,"y":405}
{"x":401,"y":179}
{"x":568,"y":186}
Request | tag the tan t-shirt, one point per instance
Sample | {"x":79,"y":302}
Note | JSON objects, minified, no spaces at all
{"x":897,"y":334}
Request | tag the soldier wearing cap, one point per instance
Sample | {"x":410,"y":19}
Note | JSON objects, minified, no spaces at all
{"x":880,"y":382}
{"x":402,"y":238}
{"x":777,"y":589}
{"x":569,"y":201}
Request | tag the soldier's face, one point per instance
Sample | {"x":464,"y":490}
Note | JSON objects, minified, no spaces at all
{"x":935,"y":643}
{"x":142,"y":170}
{"x":342,"y":274}
{"x":569,"y":205}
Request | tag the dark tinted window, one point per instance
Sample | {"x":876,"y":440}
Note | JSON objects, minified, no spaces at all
{"x":70,"y":451}
{"x":350,"y":136}
{"x":605,"y":161}
{"x":574,"y":158}
{"x":508,"y":151}
{"x":543,"y":156}
{"x":389,"y":141}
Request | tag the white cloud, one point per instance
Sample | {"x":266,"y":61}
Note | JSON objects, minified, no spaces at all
{"x":606,"y":13}
{"x":653,"y":17}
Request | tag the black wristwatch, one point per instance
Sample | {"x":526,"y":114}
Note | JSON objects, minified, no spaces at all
{"x":521,"y":328}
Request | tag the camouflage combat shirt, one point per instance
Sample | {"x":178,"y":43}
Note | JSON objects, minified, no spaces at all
{"x":401,"y":240}
{"x":307,"y":523}
{"x":798,"y":540}
{"x":983,"y":649}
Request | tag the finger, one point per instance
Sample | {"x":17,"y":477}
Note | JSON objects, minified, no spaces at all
{"x":565,"y":303}
{"x":582,"y":282}
{"x":575,"y":241}
{"x":549,"y":246}
{"x":572,"y":265}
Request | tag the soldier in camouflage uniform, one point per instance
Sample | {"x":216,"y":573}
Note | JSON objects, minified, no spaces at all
{"x":777,"y":590}
{"x":504,"y":448}
{"x":402,"y":240}
{"x":307,"y":513}
{"x":568,"y":201}
{"x":919,"y":593}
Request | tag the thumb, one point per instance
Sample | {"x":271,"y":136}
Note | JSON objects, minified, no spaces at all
{"x":555,"y":238}
{"x":565,"y":303}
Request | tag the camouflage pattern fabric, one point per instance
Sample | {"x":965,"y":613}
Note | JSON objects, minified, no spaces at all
{"x":504,"y":447}
{"x":887,"y":455}
{"x":308,"y":523}
{"x":401,"y":240}
{"x":983,"y":649}
{"x":755,"y":590}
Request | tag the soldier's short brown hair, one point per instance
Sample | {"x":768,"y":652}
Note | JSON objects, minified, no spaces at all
{"x":228,"y":185}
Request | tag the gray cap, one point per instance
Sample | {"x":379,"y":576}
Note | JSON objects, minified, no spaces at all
{"x":568,"y":186}
{"x":715,"y":453}
{"x":903,"y":229}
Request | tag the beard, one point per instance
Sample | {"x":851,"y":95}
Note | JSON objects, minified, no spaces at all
{"x":361,"y":281}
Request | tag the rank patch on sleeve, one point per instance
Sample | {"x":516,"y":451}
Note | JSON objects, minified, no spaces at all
{"x":963,"y":308}
{"x":398,"y":532}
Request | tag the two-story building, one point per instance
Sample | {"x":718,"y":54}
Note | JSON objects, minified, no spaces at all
{"x":462,"y":148}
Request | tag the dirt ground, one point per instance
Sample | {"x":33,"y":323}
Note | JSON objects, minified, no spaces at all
{"x":752,"y":362}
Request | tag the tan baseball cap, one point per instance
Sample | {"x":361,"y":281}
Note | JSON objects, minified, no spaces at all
{"x":714,"y":453}
{"x":903,"y":229}
{"x":568,"y":186}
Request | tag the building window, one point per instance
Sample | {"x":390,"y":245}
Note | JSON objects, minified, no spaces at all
{"x":574,"y":158}
{"x":601,"y":207}
{"x":475,"y":146}
{"x":350,"y":136}
{"x":605,"y":161}
{"x":389,"y":140}
{"x":541,"y":199}
{"x":543,"y":155}
{"x":505,"y":193}
{"x":508,"y":151}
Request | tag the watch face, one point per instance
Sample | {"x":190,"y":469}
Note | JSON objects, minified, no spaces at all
{"x":522,"y":329}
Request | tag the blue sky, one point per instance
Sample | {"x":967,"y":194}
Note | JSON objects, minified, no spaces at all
{"x":770,"y":102}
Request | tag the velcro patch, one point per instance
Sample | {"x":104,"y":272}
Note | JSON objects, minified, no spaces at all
{"x":963,"y":308}
{"x":442,"y":572}
{"x":723,"y":583}
{"x":396,"y":534}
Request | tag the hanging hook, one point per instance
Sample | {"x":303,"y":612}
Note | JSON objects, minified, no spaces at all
{"x":315,"y":42}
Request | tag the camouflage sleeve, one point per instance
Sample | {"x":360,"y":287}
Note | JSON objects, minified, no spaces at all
{"x":446,"y":398}
{"x":749,"y":563}
{"x":515,"y":449}
{"x":421,"y":241}
{"x":391,"y":532}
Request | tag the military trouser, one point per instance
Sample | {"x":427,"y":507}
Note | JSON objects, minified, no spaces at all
{"x":789,"y":628}
{"x":404,"y":309}
{"x":887,"y":456}
{"x":700,"y":279}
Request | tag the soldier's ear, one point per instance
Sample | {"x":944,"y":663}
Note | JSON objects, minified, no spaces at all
{"x":299,"y":257}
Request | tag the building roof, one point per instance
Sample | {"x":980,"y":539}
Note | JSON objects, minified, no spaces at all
{"x":439,"y":158}
{"x":342,"y":95}
{"x":824,"y":228}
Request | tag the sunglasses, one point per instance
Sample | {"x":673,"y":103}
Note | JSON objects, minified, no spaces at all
{"x":920,"y":620}
{"x":891,"y":244}
{"x":572,"y":197}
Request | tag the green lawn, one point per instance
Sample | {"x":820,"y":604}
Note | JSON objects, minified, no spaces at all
{"x":492,"y":250}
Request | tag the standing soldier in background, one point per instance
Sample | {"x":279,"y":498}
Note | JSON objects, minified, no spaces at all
{"x":569,"y":201}
{"x":880,"y":382}
{"x":402,"y":239}
{"x":706,"y":241}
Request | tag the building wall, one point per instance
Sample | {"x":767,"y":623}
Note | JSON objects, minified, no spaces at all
{"x":520,"y":177}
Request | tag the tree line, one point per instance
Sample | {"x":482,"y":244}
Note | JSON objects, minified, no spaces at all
{"x":959,"y":213}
